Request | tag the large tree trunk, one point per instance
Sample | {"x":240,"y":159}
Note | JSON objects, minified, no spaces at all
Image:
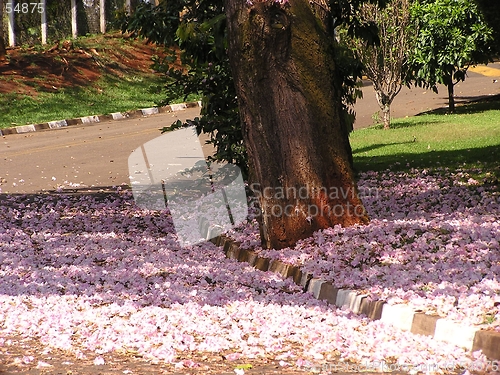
{"x":298,"y":147}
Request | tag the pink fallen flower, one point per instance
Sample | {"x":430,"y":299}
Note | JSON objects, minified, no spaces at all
{"x":99,"y":361}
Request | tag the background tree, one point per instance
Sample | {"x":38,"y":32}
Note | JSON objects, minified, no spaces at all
{"x":452,"y":36}
{"x":491,"y":11}
{"x":91,"y":15}
{"x":3,"y":51}
{"x":385,"y":62}
{"x":285,"y":90}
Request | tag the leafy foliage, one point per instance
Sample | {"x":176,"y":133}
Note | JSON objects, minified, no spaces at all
{"x":491,"y":12}
{"x":346,"y":13}
{"x":195,"y":33}
{"x":452,"y":36}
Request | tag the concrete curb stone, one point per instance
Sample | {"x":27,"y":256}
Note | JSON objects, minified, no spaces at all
{"x":89,"y":120}
{"x":402,"y":316}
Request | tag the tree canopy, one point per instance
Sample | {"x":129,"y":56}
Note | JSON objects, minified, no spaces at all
{"x":198,"y":29}
{"x":491,"y":11}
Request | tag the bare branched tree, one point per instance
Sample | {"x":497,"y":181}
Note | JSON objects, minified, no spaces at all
{"x":385,"y":62}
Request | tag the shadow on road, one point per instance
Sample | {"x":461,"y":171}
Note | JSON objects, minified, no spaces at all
{"x":469,"y":104}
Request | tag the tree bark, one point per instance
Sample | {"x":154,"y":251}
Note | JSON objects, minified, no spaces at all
{"x":451,"y":95}
{"x":3,"y":51}
{"x":384,"y":102}
{"x":386,"y":116}
{"x":92,"y":14}
{"x":298,"y":147}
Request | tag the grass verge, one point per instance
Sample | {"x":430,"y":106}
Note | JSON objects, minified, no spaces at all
{"x":94,"y":75}
{"x":105,"y":96}
{"x":468,"y":139}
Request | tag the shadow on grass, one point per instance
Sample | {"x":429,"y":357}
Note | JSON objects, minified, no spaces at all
{"x":400,"y":124}
{"x":377,"y":146}
{"x":489,"y":155}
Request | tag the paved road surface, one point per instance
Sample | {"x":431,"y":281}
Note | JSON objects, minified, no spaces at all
{"x":94,"y":155}
{"x":97,"y":155}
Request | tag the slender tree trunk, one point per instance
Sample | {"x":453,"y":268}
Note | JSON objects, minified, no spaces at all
{"x":384,"y":102}
{"x":451,"y":95}
{"x":74,"y":19}
{"x":44,"y":21}
{"x":92,"y":13}
{"x":297,"y":143}
{"x":386,"y":116}
{"x":102,"y":16}
{"x":3,"y":51}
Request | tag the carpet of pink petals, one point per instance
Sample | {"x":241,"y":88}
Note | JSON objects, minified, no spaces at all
{"x":101,"y":275}
{"x":433,"y":242}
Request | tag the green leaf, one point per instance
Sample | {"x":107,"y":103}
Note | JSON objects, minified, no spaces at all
{"x":244,"y":367}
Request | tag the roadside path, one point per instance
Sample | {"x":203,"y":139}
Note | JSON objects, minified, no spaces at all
{"x":89,"y":155}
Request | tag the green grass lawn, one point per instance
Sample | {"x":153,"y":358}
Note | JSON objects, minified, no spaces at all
{"x":120,"y":86}
{"x":468,"y":139}
{"x":108,"y":95}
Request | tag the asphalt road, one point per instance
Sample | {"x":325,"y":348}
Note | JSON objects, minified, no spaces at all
{"x":92,"y":156}
{"x":97,"y":155}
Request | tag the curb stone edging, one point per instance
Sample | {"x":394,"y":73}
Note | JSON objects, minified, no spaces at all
{"x":401,"y":316}
{"x":89,"y":120}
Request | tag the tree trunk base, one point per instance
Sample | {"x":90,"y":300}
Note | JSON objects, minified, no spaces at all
{"x":297,"y":142}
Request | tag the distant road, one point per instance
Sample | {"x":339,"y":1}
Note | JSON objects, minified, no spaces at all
{"x":97,"y":155}
{"x":94,"y":155}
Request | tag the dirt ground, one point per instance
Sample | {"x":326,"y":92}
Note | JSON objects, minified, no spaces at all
{"x":73,"y":63}
{"x":24,"y":356}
